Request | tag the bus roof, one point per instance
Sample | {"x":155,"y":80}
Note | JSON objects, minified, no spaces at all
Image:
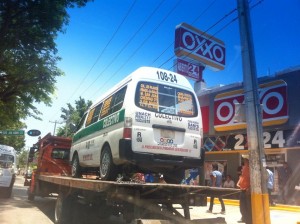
{"x":146,"y":73}
{"x":7,"y":149}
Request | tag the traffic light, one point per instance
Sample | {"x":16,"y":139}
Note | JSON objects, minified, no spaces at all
{"x":33,"y":132}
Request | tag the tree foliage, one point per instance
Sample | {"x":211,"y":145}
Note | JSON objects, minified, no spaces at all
{"x":28,"y":55}
{"x":72,"y":116}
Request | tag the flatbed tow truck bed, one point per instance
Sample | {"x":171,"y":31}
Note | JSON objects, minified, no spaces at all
{"x":135,"y":201}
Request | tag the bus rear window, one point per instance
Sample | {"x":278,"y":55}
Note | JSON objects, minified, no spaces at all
{"x":166,"y":99}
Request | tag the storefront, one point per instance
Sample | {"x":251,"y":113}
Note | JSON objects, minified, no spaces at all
{"x":224,"y":124}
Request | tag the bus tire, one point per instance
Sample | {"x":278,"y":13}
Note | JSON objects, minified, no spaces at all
{"x":107,"y":168}
{"x":76,"y":169}
{"x":63,"y":209}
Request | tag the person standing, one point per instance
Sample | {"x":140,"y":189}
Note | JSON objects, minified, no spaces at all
{"x":270,"y":186}
{"x":216,"y":181}
{"x":284,"y":174}
{"x":245,"y":195}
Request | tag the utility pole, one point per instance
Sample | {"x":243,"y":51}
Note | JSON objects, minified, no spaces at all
{"x":55,"y":122}
{"x":259,"y":195}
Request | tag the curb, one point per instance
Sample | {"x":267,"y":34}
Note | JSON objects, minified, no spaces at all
{"x":282,"y":207}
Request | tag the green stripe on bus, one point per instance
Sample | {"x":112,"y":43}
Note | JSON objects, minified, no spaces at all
{"x":100,"y":125}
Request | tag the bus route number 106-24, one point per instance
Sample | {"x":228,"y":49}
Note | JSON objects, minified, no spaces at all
{"x":166,"y":77}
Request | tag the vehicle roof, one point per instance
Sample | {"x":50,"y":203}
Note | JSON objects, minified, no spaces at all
{"x":7,"y":149}
{"x":147,"y":74}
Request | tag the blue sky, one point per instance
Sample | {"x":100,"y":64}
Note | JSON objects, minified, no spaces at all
{"x":108,"y":39}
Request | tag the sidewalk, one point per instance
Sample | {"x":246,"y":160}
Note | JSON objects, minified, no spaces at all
{"x":279,"y":214}
{"x":279,"y":207}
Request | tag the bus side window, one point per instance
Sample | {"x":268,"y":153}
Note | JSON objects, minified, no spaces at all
{"x":118,"y":100}
{"x":80,"y":125}
{"x":96,"y":113}
{"x":113,"y":103}
{"x":89,"y":118}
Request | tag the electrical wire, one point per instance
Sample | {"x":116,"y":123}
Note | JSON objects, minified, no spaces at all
{"x":103,"y":50}
{"x":204,"y":32}
{"x":127,"y":43}
{"x":142,"y":44}
{"x":172,"y":44}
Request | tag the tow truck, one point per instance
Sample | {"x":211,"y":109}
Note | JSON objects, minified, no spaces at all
{"x":91,"y":200}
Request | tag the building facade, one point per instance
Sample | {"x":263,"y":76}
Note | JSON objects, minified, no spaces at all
{"x":224,"y":124}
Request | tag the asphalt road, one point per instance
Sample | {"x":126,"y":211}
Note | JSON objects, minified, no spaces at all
{"x":18,"y":210}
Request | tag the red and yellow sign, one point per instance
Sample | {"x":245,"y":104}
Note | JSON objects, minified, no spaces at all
{"x":273,"y":98}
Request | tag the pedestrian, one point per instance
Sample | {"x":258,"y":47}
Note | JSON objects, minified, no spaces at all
{"x":284,"y":173}
{"x":228,"y":183}
{"x":245,"y":195}
{"x":216,"y":181}
{"x":270,"y":186}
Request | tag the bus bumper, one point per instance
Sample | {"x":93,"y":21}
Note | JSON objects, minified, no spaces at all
{"x":149,"y":160}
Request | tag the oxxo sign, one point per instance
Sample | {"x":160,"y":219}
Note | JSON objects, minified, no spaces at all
{"x":193,"y":43}
{"x":273,"y":97}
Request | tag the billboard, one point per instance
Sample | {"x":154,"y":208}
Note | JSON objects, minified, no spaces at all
{"x":189,"y":69}
{"x":198,"y":45}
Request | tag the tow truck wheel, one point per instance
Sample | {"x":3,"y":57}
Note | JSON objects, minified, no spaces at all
{"x":63,"y":210}
{"x":76,"y":169}
{"x":107,"y":167}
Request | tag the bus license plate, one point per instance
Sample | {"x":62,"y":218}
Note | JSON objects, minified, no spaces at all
{"x":167,"y":133}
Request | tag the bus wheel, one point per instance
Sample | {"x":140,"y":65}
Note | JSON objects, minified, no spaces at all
{"x":76,"y":169}
{"x":107,"y":167}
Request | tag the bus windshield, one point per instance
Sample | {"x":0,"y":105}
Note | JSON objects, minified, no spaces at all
{"x":165,"y":99}
{"x":6,"y":161}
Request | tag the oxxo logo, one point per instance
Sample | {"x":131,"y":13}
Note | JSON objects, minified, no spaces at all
{"x":203,"y":46}
{"x":273,"y":98}
{"x":200,"y":46}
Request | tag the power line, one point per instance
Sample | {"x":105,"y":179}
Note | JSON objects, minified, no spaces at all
{"x":55,"y":122}
{"x":145,"y":40}
{"x":205,"y":32}
{"x":129,"y":41}
{"x":103,"y":50}
{"x":201,"y":14}
{"x":213,"y":35}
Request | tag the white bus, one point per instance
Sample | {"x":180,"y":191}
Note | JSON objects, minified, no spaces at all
{"x":7,"y":170}
{"x":149,"y":122}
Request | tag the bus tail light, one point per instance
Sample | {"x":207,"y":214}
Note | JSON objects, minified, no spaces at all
{"x":127,"y":128}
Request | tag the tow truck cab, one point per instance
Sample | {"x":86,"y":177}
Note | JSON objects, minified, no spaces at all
{"x":52,"y":154}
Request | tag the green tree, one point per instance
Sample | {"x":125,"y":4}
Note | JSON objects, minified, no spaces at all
{"x":23,"y":157}
{"x":28,"y":55}
{"x":72,"y":116}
